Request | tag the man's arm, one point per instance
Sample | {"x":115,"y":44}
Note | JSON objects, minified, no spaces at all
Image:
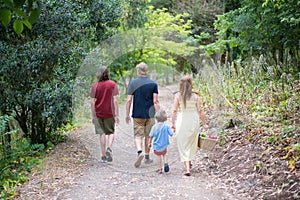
{"x":116,"y":105}
{"x":93,"y":109}
{"x":128,"y":106}
{"x":156,"y":102}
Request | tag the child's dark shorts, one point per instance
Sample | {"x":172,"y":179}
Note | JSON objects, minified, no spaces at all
{"x":160,"y":153}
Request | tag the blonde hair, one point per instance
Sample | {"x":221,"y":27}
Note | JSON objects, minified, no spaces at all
{"x":161,"y":115}
{"x":142,"y":69}
{"x":185,"y":88}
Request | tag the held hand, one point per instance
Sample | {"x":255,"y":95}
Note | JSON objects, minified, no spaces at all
{"x":173,"y":129}
{"x":93,"y":121}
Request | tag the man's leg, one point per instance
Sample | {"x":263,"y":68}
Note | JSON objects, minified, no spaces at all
{"x":109,"y":125}
{"x":103,"y":147}
{"x":147,"y":149}
{"x":138,"y":143}
{"x":148,"y":125}
{"x":111,"y":138}
{"x":138,"y":139}
{"x":99,"y":127}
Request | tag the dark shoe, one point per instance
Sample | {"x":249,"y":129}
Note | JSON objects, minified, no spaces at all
{"x":166,"y":167}
{"x":103,"y":159}
{"x":187,"y":174}
{"x":148,"y":161}
{"x":139,"y":161}
{"x":109,"y":155}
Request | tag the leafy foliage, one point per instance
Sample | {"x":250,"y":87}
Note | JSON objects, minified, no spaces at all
{"x":202,"y":13}
{"x":256,"y":28}
{"x":49,"y":61}
{"x":21,"y":12}
{"x":163,"y":37}
{"x":17,"y":159}
{"x":105,"y":17}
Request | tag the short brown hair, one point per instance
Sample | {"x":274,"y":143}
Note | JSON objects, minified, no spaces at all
{"x":161,"y":115}
{"x":102,"y":74}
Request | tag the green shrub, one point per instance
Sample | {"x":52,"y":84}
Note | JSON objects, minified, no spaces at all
{"x":17,"y":158}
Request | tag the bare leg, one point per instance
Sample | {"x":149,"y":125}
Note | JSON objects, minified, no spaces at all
{"x":159,"y":170}
{"x":111,"y":139}
{"x":165,"y":158}
{"x":103,"y":144}
{"x":147,"y":149}
{"x":138,"y":143}
{"x":187,"y":167}
{"x":159,"y":162}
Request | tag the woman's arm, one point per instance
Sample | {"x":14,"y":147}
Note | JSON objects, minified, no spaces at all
{"x":174,"y":114}
{"x":200,"y":112}
{"x":93,"y":109}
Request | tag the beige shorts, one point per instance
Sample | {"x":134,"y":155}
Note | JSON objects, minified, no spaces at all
{"x":142,"y":127}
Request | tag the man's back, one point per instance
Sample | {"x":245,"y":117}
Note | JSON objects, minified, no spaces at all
{"x":142,"y":89}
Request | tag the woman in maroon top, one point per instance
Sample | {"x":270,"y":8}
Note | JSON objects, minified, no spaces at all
{"x":105,"y":110}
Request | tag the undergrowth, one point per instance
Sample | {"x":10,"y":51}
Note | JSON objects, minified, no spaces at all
{"x":18,"y":156}
{"x":262,"y":99}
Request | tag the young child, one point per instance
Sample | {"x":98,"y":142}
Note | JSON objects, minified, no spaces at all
{"x":159,"y":135}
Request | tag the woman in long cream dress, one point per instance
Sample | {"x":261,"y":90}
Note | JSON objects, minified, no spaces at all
{"x":187,"y":113}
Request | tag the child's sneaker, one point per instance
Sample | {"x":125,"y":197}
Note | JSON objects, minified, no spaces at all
{"x":109,"y":155}
{"x":103,"y":159}
{"x":166,"y":167}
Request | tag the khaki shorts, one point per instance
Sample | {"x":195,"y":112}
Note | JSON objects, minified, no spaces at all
{"x":142,"y":127}
{"x":104,"y":126}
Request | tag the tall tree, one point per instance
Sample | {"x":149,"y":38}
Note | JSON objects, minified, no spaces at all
{"x":262,"y":28}
{"x":40,"y":65}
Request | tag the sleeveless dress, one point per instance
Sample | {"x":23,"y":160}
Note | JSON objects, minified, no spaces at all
{"x":187,"y":130}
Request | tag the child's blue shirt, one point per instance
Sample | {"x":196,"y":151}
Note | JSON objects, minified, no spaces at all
{"x":160,"y":133}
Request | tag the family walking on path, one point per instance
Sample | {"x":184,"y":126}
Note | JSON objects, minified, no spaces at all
{"x":119,"y":178}
{"x":143,"y":96}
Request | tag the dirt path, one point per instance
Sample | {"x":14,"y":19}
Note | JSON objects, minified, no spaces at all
{"x":120,"y":179}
